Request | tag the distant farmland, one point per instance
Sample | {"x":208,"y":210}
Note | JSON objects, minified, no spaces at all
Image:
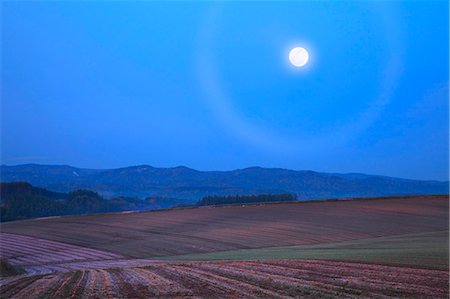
{"x":219,"y":229}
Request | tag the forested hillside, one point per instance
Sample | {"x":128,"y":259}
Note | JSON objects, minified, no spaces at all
{"x":186,"y":183}
{"x":22,"y":200}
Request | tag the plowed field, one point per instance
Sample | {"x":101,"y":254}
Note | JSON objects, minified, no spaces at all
{"x":212,"y":229}
{"x":249,"y":279}
{"x":103,"y":256}
{"x":39,"y":256}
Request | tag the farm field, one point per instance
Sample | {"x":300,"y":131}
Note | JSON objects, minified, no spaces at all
{"x":177,"y":232}
{"x":235,"y":279}
{"x":39,"y":256}
{"x":391,"y":247}
{"x":427,"y":250}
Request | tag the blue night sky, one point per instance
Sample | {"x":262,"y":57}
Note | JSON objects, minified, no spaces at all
{"x":209,"y":85}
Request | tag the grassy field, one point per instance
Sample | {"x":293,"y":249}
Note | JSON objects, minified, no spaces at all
{"x":217,"y":229}
{"x":427,"y":250}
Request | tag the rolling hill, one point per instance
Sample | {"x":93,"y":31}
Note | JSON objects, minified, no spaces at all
{"x":366,"y":248}
{"x":156,"y":234}
{"x":183,"y":182}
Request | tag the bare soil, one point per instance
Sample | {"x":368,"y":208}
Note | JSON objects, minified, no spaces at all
{"x":211,"y":229}
{"x":239,"y":279}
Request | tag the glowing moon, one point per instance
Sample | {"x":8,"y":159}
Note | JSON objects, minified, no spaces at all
{"x":298,"y":56}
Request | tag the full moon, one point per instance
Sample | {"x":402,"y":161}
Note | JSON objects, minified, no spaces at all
{"x":298,"y":56}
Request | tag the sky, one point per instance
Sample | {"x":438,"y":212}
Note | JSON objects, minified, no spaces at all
{"x":208,"y":85}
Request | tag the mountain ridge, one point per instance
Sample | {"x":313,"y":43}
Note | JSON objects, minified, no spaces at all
{"x":184,"y":182}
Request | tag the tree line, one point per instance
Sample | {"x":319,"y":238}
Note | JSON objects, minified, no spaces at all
{"x":21,"y":200}
{"x":242,"y":199}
